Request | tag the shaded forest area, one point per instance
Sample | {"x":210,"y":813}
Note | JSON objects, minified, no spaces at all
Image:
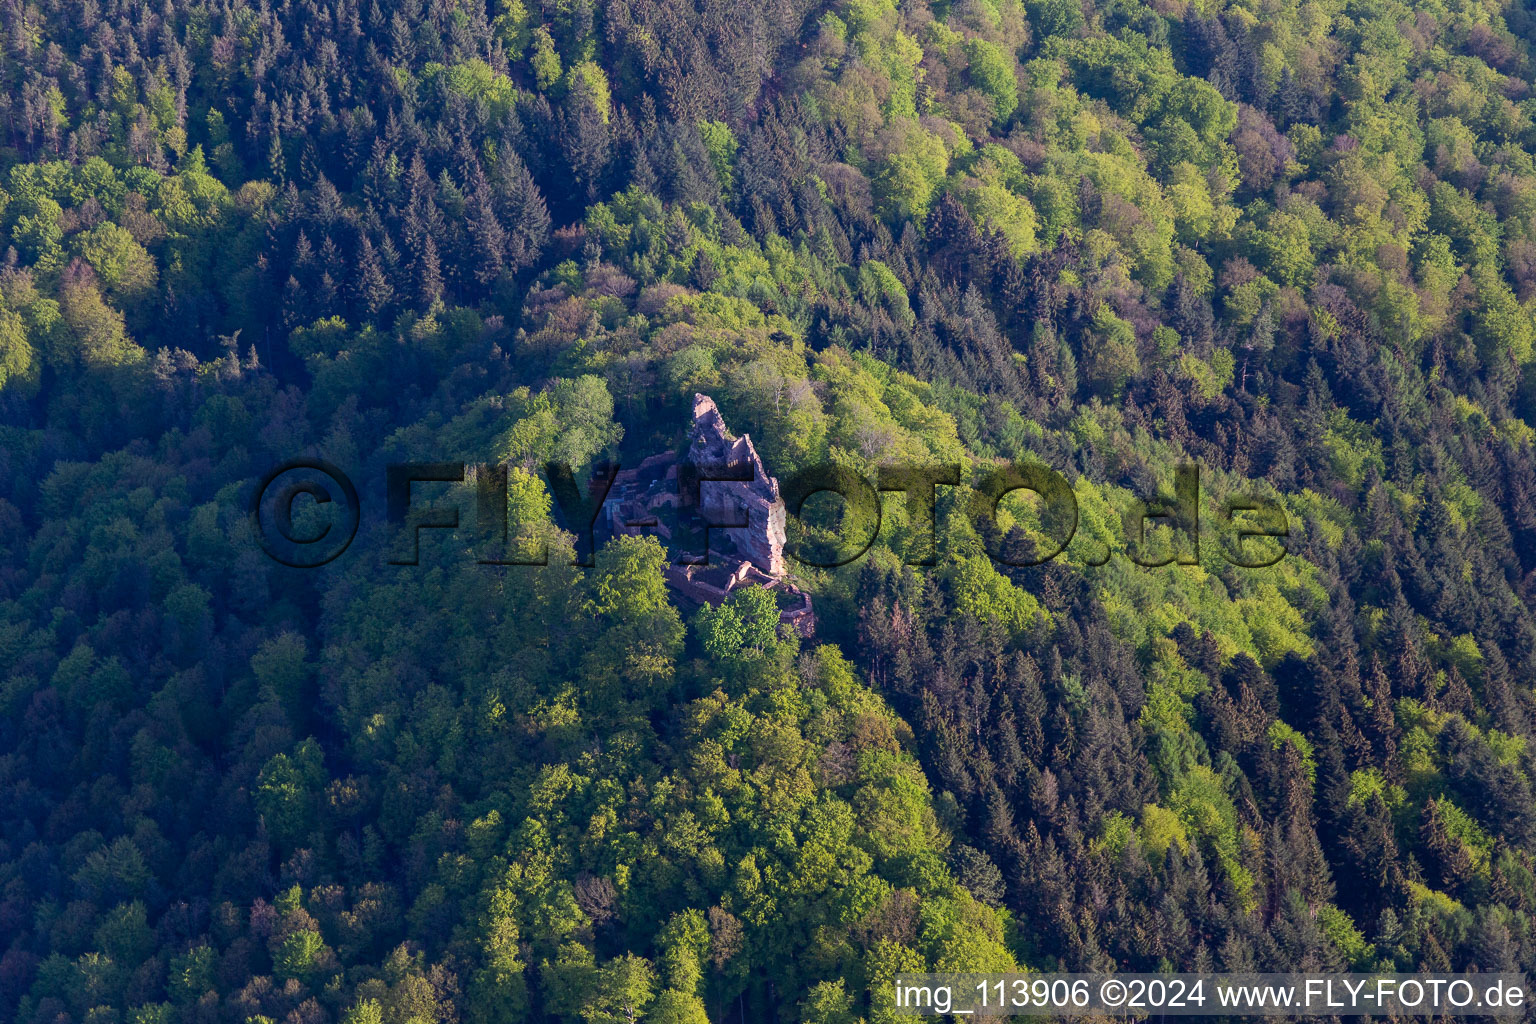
{"x":1291,"y":240}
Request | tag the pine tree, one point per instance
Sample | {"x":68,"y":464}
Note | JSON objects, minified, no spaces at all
{"x":584,"y":137}
{"x":429,"y":273}
{"x":372,"y":288}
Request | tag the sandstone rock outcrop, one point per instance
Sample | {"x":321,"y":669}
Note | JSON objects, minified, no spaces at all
{"x":714,"y":452}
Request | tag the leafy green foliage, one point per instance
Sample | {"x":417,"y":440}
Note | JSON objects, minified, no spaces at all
{"x":1295,"y":244}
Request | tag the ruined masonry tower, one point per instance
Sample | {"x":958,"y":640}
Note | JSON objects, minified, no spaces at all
{"x":711,"y":447}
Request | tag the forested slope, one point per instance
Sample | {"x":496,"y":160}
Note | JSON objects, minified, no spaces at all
{"x":1292,"y":242}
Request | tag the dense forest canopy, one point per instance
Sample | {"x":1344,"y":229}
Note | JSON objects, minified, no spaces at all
{"x":1290,"y":241}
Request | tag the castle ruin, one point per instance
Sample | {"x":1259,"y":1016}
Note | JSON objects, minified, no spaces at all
{"x":719,"y":479}
{"x":733,"y":487}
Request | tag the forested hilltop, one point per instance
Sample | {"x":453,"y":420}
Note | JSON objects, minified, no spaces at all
{"x":1292,"y":242}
